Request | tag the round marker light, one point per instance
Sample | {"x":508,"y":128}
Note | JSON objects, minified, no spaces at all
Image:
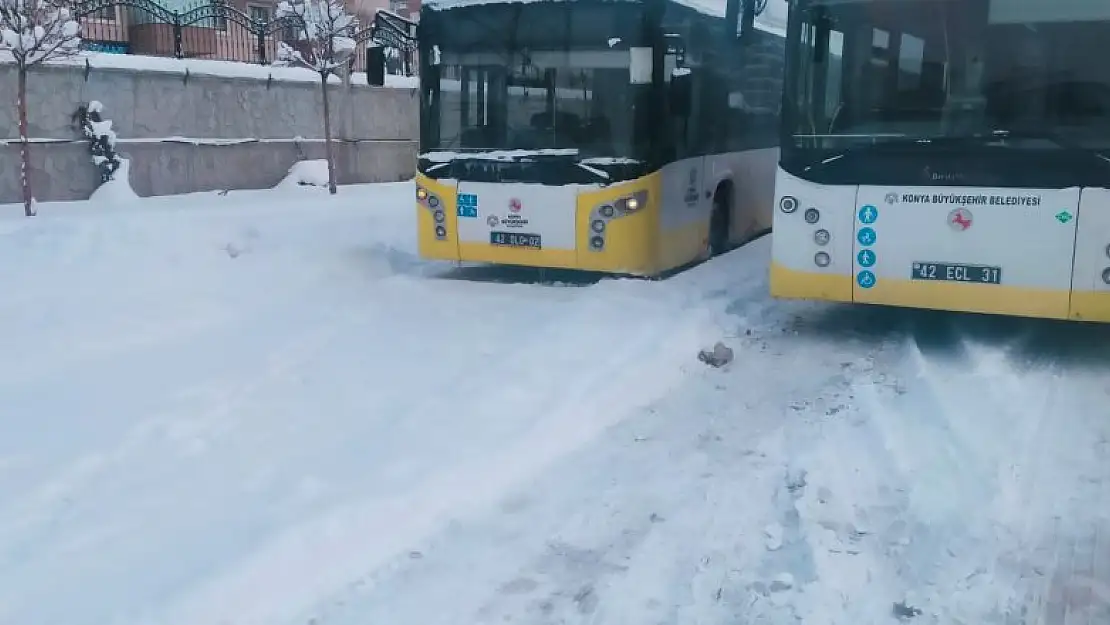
{"x":597,"y":243}
{"x":1106,"y":275}
{"x":598,"y":226}
{"x":606,"y":211}
{"x":433,"y":201}
{"x":821,"y":259}
{"x":812,"y":216}
{"x":439,"y":216}
{"x":421,"y":193}
{"x":821,"y":237}
{"x":441,"y":231}
{"x":788,"y":204}
{"x":632,"y":204}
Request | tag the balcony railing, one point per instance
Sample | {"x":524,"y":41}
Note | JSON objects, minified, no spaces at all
{"x":217,"y":31}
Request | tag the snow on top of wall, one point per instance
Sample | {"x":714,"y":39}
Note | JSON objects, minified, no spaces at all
{"x":772,"y":20}
{"x":206,"y":67}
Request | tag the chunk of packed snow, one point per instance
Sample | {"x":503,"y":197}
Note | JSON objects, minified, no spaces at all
{"x":118,"y":189}
{"x":312,"y":173}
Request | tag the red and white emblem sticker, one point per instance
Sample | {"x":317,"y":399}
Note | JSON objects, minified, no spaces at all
{"x":960,"y":219}
{"x":514,"y":205}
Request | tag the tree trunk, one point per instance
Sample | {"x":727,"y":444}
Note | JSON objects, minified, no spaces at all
{"x":24,"y":144}
{"x":327,"y":135}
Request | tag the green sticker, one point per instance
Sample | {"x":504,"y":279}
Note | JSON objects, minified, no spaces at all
{"x":1063,"y":217}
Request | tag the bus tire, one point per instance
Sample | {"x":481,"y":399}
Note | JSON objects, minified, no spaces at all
{"x":719,"y":219}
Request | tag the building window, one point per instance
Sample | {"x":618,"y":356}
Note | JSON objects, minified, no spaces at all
{"x":260,"y":14}
{"x":219,"y":18}
{"x":107,"y":13}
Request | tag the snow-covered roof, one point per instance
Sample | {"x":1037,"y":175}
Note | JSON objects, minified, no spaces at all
{"x":772,"y":20}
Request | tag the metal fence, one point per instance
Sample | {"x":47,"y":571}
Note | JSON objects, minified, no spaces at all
{"x":215,"y":30}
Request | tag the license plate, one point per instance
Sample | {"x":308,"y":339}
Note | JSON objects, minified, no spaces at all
{"x":515,"y":239}
{"x":956,"y":272}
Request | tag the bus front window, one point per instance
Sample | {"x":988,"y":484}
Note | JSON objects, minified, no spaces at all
{"x":871,"y":71}
{"x":577,"y":101}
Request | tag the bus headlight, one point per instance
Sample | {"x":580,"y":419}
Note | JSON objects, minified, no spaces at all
{"x":631,"y":203}
{"x":812,"y":216}
{"x":821,"y":237}
{"x":433,"y":201}
{"x":821,"y":259}
{"x":439,"y":216}
{"x":597,"y":243}
{"x":607,"y":211}
{"x":421,"y":193}
{"x":598,"y":226}
{"x":788,"y":204}
{"x":441,"y":232}
{"x":1106,"y":275}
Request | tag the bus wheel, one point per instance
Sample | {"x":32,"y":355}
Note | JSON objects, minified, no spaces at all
{"x":719,"y":221}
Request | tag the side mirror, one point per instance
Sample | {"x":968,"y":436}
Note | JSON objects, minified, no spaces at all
{"x":681,"y":92}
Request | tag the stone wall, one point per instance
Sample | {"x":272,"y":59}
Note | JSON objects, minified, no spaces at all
{"x":193,"y":132}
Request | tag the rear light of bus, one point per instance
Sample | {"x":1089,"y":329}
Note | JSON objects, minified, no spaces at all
{"x":822,"y":237}
{"x":821,"y":259}
{"x":788,"y":204}
{"x":1106,"y":275}
{"x":812,"y":216}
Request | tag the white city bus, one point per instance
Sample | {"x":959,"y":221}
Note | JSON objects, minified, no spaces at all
{"x":629,"y":137}
{"x":947,"y":154}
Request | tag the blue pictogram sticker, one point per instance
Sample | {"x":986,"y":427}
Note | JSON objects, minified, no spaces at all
{"x":467,"y":205}
{"x":866,"y":236}
{"x":866,"y":258}
{"x":865,"y":279}
{"x":868,"y":214}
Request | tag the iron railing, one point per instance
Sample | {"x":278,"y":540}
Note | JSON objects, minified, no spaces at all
{"x":218,"y":31}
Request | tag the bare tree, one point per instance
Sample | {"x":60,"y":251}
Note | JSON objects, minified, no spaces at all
{"x":326,"y":36}
{"x":33,"y":32}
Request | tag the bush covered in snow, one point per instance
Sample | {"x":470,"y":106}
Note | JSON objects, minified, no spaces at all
{"x":102,"y":139}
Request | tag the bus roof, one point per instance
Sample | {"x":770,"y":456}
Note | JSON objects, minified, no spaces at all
{"x":772,"y":20}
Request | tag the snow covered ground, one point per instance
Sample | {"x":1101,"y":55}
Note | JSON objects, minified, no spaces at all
{"x":261,"y":408}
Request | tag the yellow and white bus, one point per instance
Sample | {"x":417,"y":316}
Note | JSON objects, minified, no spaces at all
{"x":947,"y":154}
{"x":628,"y":137}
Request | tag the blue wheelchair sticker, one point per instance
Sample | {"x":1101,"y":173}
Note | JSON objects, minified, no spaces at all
{"x":868,"y":214}
{"x":466,"y":205}
{"x":866,"y":258}
{"x":865,"y":279}
{"x":866,"y":236}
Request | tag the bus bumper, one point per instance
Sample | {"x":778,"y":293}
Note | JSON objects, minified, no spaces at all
{"x":613,"y":229}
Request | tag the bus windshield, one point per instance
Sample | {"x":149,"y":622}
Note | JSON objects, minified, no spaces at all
{"x":1030,"y":72}
{"x":545,"y":77}
{"x":551,"y":100}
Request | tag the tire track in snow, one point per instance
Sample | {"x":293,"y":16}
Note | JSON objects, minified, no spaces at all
{"x":344,"y":549}
{"x":968,"y":441}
